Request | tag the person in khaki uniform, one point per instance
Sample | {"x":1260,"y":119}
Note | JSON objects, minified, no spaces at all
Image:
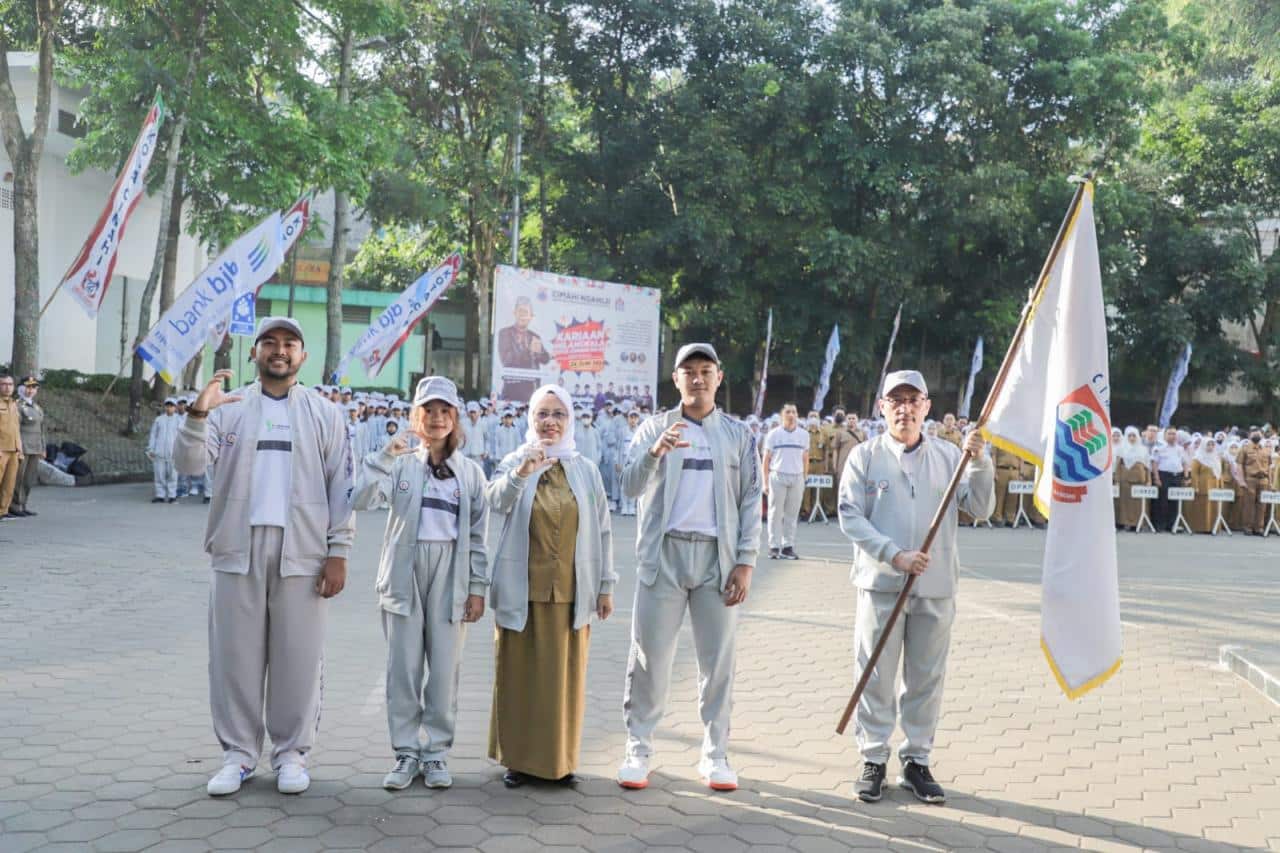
{"x":1008,"y":467}
{"x":31,"y":418}
{"x":1133,"y":468}
{"x":1206,"y":473}
{"x":844,"y":437}
{"x":10,"y":446}
{"x":816,"y":462}
{"x":949,"y":431}
{"x":1255,"y":465}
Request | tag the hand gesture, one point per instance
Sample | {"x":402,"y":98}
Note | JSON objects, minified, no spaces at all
{"x":212,"y":396}
{"x":535,"y":459}
{"x":398,"y":446}
{"x":669,"y":440}
{"x":911,"y":562}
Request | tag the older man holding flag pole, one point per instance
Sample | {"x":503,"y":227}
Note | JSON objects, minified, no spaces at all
{"x":1050,"y":406}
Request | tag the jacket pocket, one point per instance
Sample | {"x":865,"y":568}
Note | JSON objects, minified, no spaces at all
{"x":309,"y":531}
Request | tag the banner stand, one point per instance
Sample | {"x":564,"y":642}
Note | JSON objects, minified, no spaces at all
{"x":1021,"y":488}
{"x":1146,"y":494}
{"x":1271,"y":498}
{"x":818,"y":482}
{"x":1181,"y":495}
{"x":1219,"y":497}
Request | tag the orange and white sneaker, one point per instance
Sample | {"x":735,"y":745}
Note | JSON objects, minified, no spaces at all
{"x":634,"y":772}
{"x":717,"y":774}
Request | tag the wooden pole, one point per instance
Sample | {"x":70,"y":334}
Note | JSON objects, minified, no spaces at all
{"x":997,"y":386}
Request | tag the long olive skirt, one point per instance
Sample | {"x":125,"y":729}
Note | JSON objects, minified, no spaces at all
{"x":539,"y":693}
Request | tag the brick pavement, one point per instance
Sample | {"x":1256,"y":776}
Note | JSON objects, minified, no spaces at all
{"x":105,"y":741}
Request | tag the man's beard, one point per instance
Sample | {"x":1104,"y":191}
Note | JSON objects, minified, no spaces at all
{"x":277,"y":371}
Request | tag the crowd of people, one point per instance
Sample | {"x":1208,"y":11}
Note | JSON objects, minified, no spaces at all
{"x":22,"y":445}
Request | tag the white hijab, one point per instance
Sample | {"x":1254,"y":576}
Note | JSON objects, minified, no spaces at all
{"x":1133,"y":452}
{"x":1211,"y":459}
{"x":566,"y":447}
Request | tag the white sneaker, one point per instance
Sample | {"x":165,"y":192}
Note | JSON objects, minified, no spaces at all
{"x":717,"y":775}
{"x":228,"y":779}
{"x":292,"y":778}
{"x":634,"y":772}
{"x":403,"y":774}
{"x":436,"y":774}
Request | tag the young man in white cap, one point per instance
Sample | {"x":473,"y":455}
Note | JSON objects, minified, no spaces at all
{"x":475,"y":448}
{"x":160,"y":451}
{"x":786,"y":453}
{"x":279,"y":531}
{"x":697,"y":478}
{"x":889,"y":491}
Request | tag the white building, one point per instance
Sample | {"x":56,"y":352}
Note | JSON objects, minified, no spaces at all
{"x":69,"y":208}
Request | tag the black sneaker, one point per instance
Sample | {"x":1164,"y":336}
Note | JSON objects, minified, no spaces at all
{"x":773,"y":553}
{"x":157,"y":500}
{"x":205,"y":499}
{"x":917,"y":779}
{"x":173,"y":500}
{"x":870,"y":787}
{"x":788,"y":553}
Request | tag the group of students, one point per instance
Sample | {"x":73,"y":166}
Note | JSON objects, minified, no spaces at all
{"x":281,"y":526}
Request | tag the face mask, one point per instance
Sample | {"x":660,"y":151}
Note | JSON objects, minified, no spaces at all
{"x":1255,"y":438}
{"x":813,"y":422}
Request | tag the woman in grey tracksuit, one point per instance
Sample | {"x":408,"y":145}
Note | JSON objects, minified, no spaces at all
{"x":432,"y":577}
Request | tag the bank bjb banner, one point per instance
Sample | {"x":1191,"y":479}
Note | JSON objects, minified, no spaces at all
{"x":597,"y":339}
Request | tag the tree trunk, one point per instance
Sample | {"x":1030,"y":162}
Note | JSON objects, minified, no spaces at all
{"x":169,"y":273}
{"x":24,"y":153}
{"x":137,"y":387}
{"x":341,"y":227}
{"x":486,"y":263}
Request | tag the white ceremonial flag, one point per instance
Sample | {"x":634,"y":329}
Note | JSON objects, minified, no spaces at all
{"x":824,"y":382}
{"x":391,"y":328}
{"x":764,"y":367}
{"x":975,"y":364}
{"x":1054,"y":411}
{"x":206,"y":304}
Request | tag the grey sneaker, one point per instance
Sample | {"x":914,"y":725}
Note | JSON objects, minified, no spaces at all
{"x":402,"y":775}
{"x":436,"y":774}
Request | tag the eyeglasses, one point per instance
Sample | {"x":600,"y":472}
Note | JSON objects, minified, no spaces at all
{"x":555,"y":416}
{"x":899,"y":402}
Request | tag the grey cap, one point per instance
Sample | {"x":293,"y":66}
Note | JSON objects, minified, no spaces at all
{"x":904,"y":377}
{"x":436,"y":388}
{"x":353,"y":407}
{"x":170,"y":401}
{"x":473,"y":406}
{"x":689,"y":350}
{"x":269,"y":324}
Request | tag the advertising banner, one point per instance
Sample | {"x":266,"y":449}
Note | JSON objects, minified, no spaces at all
{"x":597,"y":339}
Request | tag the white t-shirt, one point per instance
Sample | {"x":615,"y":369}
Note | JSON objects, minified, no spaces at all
{"x":272,"y":466}
{"x":788,"y":449}
{"x":438,"y":520}
{"x":693,"y":510}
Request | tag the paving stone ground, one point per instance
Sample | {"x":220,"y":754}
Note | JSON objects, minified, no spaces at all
{"x":105,"y":741}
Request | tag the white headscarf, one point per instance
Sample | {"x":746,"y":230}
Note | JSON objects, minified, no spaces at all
{"x":1133,"y":452}
{"x":566,"y":447}
{"x":1211,"y":459}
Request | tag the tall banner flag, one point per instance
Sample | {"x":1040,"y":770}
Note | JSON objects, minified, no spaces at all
{"x":824,"y":382}
{"x":244,"y":312}
{"x":888,"y":355}
{"x":975,"y":365}
{"x":392,"y":327}
{"x":764,"y":367}
{"x":90,"y":273}
{"x":184,"y":328}
{"x":1175,"y":382}
{"x":1054,"y":411}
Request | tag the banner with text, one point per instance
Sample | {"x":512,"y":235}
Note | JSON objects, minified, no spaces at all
{"x":597,"y":339}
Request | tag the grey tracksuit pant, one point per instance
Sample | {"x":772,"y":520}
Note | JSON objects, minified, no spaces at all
{"x":785,"y":493}
{"x":266,"y":637}
{"x":923,"y":632}
{"x":165,"y":477}
{"x":424,"y":646}
{"x":689,"y":578}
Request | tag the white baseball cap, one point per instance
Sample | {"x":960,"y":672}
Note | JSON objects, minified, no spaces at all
{"x":689,"y":350}
{"x":904,"y":377}
{"x":269,"y":324}
{"x":436,"y":388}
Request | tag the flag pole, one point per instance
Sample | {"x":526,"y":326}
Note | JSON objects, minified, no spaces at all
{"x":936,"y":524}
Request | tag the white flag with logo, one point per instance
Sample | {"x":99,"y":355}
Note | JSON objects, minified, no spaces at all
{"x":1054,"y":410}
{"x":206,"y":304}
{"x":824,"y":382}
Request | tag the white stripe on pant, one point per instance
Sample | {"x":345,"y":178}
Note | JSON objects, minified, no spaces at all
{"x":785,"y":493}
{"x":923,"y":630}
{"x":266,"y":642}
{"x":689,"y":577}
{"x":424,"y":639}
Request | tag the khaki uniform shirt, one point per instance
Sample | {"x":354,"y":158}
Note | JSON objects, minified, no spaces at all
{"x":1255,"y":461}
{"x":952,"y":435}
{"x":9,"y":426}
{"x":553,"y":534}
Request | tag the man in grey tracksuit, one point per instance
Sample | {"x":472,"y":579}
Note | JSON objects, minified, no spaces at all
{"x":279,"y":531}
{"x":697,"y":477}
{"x":890,"y":489}
{"x":164,"y":431}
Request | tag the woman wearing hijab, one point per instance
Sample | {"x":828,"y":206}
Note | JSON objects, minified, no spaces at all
{"x":1206,"y":474}
{"x":1133,"y":468}
{"x":553,"y":571}
{"x":432,"y":576}
{"x":1233,"y":478}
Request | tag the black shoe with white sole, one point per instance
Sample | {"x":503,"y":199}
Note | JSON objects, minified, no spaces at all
{"x":917,"y":779}
{"x":788,"y":553}
{"x":870,"y":786}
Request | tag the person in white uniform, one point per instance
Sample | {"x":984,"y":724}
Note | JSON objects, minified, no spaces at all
{"x":164,"y":431}
{"x":432,"y":577}
{"x":475,"y":447}
{"x":627,"y":506}
{"x":889,"y":492}
{"x":589,"y":441}
{"x":697,"y":478}
{"x":786,"y":451}
{"x":507,"y":437}
{"x":279,"y":531}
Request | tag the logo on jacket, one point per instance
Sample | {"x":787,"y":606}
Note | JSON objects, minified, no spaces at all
{"x":229,"y":439}
{"x":403,"y":485}
{"x":1082,"y":444}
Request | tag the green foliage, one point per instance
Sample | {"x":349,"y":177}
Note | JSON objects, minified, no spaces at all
{"x":390,"y":259}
